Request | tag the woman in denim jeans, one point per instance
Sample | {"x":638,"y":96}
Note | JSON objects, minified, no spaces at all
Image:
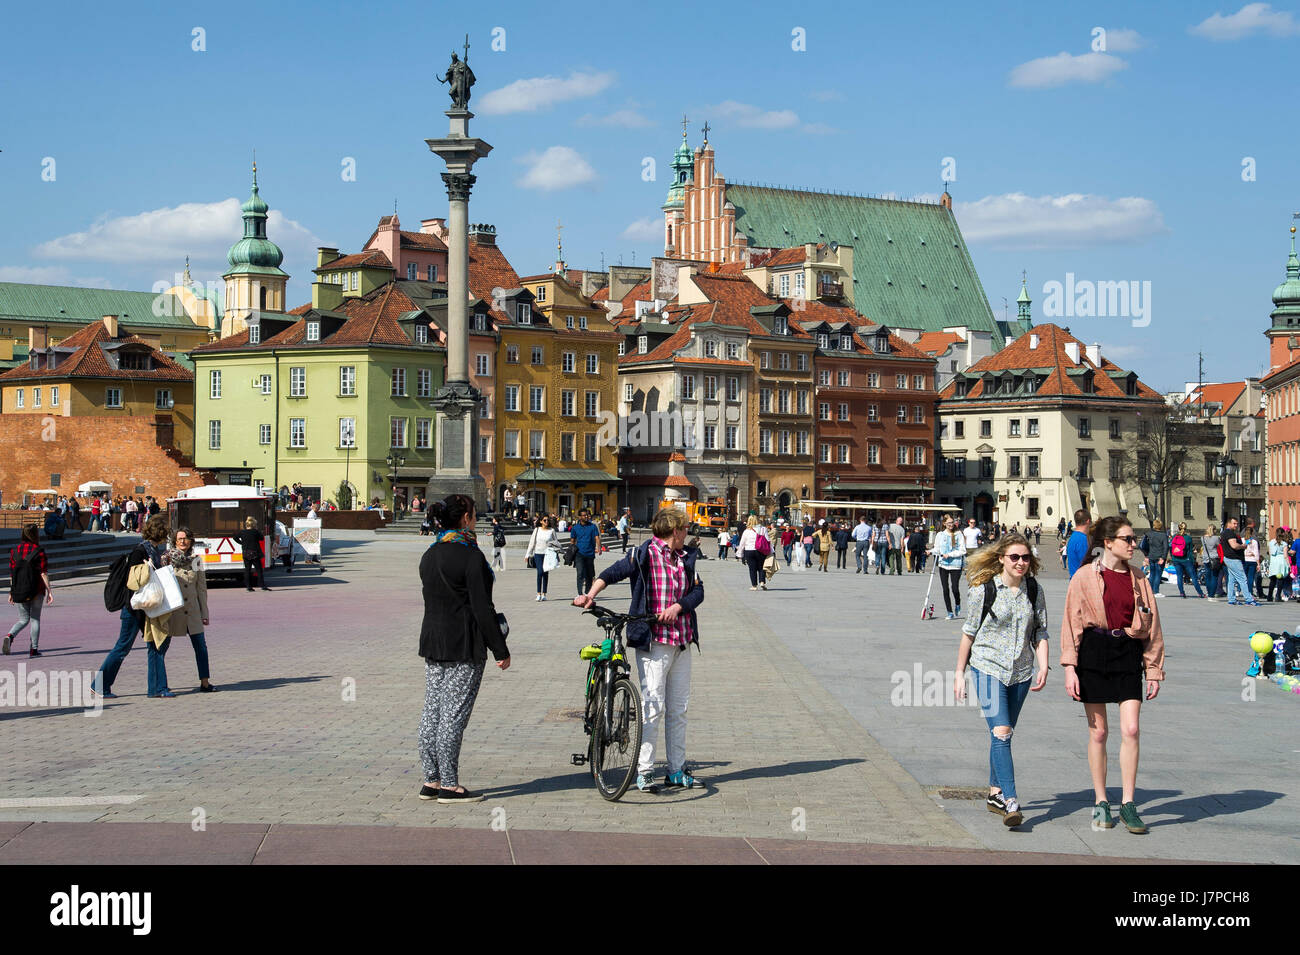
{"x":1007,"y":653}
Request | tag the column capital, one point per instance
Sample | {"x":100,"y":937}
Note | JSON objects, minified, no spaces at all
{"x":458,"y":185}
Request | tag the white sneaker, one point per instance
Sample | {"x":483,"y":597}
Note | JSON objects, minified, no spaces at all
{"x":539,"y":598}
{"x":1159,"y":595}
{"x":543,"y":598}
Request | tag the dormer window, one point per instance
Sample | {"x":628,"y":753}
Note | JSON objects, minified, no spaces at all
{"x":823,"y":340}
{"x":710,"y":348}
{"x":961,"y":387}
{"x":421,"y":334}
{"x":480,"y":322}
{"x":780,"y":326}
{"x":882,"y":344}
{"x":134,"y":361}
{"x":313,"y":331}
{"x":524,"y":313}
{"x":254,"y":334}
{"x":642,"y":344}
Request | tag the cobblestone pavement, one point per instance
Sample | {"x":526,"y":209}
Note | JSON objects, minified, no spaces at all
{"x":791,"y":722}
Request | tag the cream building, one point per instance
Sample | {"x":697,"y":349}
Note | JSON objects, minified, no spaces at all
{"x":1042,"y":428}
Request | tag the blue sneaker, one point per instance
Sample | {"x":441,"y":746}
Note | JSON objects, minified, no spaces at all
{"x":645,"y":782}
{"x":682,"y":780}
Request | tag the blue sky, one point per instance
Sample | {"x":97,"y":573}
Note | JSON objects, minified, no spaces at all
{"x":1114,"y":164}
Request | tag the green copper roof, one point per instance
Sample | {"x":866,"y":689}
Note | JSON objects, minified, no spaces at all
{"x":255,"y":254}
{"x":911,"y":268}
{"x":81,"y":306}
{"x":1287,"y":295}
{"x":683,"y":172}
{"x":1024,"y":294}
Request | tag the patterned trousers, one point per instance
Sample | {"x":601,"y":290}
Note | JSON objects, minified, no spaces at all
{"x":449,"y":693}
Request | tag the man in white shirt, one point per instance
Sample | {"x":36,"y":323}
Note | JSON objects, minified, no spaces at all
{"x":862,"y":544}
{"x":972,"y":534}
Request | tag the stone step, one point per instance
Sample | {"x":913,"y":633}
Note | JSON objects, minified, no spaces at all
{"x":75,"y":556}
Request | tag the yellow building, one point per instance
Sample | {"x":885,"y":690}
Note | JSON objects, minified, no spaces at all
{"x":103,"y":371}
{"x":556,"y":385}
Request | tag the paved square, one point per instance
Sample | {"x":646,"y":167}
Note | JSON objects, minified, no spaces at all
{"x":791,"y":723}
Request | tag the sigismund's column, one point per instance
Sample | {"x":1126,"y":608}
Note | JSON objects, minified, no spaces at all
{"x":456,"y":403}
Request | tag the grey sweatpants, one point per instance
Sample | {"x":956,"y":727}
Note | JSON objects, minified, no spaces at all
{"x":29,"y":611}
{"x":449,"y":693}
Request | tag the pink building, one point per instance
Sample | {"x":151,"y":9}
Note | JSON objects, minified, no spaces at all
{"x":415,"y":256}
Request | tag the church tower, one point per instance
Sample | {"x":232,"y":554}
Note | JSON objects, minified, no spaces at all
{"x":1284,"y":333}
{"x":1023,"y":312}
{"x":255,"y":282}
{"x":683,"y":167}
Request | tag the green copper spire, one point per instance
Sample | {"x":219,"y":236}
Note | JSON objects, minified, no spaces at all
{"x":1024,"y":301}
{"x":255,"y":253}
{"x":683,"y":171}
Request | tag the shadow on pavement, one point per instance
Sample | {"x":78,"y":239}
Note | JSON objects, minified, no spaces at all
{"x":270,"y":684}
{"x":779,"y":771}
{"x":299,"y":578}
{"x":1187,"y":809}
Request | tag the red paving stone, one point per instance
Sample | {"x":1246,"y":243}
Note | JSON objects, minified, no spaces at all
{"x":140,"y":843}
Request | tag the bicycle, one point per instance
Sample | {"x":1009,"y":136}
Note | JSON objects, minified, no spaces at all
{"x":612,"y":716}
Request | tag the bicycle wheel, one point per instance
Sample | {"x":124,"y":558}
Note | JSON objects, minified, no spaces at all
{"x":616,"y":741}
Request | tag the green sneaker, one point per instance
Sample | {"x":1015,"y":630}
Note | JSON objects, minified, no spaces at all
{"x":1101,"y":816}
{"x":1128,"y":814}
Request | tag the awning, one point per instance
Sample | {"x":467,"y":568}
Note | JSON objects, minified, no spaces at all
{"x":566,"y":476}
{"x":94,"y":487}
{"x":891,"y":505}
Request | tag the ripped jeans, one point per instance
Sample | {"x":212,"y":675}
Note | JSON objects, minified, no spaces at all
{"x":1000,"y":705}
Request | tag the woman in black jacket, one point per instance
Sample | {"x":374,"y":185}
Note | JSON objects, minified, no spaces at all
{"x":460,"y":626}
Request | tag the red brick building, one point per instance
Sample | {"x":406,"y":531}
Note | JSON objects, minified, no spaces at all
{"x":1282,"y":399}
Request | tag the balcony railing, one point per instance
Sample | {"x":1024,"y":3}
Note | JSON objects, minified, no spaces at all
{"x":830,"y":290}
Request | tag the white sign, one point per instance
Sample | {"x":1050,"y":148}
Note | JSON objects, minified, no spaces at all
{"x":217,"y":504}
{"x":307,"y":534}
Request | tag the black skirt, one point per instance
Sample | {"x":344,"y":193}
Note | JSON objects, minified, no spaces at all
{"x":1110,"y":669}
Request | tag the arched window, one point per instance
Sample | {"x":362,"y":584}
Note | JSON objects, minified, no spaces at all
{"x":670,"y":235}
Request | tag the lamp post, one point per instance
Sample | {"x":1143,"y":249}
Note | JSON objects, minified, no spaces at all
{"x":394,"y":461}
{"x":729,"y":475}
{"x":1156,"y":487}
{"x":534,"y":463}
{"x":349,"y":435}
{"x":1225,"y":467}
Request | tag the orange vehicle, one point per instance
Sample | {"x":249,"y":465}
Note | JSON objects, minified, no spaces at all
{"x":705,"y":516}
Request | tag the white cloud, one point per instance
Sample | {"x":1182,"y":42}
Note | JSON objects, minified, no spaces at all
{"x":1253,"y":18}
{"x":1048,"y":71}
{"x":648,"y":229}
{"x":1015,"y":220}
{"x":818,"y":129}
{"x":626,"y":118}
{"x":203,"y":230}
{"x":749,"y":116}
{"x":542,"y":92}
{"x":49,"y":275}
{"x":557,"y":168}
{"x":1123,"y":41}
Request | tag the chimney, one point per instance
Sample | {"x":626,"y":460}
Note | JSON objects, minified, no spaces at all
{"x":1033,"y":340}
{"x":110,"y":323}
{"x":436,"y":227}
{"x":325,"y":256}
{"x":38,"y":337}
{"x":482,"y":234}
{"x":326,"y":296}
{"x":1072,"y":352}
{"x":1094,"y":354}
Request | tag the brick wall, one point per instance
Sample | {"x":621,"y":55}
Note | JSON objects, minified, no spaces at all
{"x":119,"y":451}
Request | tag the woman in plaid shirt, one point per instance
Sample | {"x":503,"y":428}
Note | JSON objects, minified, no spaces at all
{"x":29,"y":610}
{"x":663,"y":584}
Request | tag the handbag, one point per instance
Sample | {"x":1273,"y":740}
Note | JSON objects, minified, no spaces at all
{"x":550,"y":560}
{"x":160,"y":595}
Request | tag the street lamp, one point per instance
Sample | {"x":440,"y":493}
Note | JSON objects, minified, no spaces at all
{"x":1156,"y":486}
{"x":1224,"y":468}
{"x":729,"y":475}
{"x":832,"y":482}
{"x":394,"y":461}
{"x":534,"y":463}
{"x":348,"y":434}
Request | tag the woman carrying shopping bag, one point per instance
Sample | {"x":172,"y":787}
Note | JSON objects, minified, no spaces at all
{"x":192,"y":619}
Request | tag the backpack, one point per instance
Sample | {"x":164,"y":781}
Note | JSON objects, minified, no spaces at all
{"x":115,"y":592}
{"x":991,"y":594}
{"x":1178,"y":546}
{"x":26,"y":580}
{"x":762,"y":544}
{"x":498,"y":538}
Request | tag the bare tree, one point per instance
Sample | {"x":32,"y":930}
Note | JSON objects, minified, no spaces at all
{"x":1169,"y":450}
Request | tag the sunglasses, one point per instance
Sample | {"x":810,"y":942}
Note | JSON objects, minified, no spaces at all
{"x":1017,"y":557}
{"x":1126,"y":538}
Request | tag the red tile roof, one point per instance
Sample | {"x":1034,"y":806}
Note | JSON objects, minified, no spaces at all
{"x":1050,"y":354}
{"x":1223,"y":394}
{"x":371,"y":320}
{"x":489,"y":269}
{"x":422,"y":240}
{"x":936,"y":343}
{"x":808,"y":314}
{"x":601,"y":294}
{"x":372,"y":259}
{"x":734,"y":296}
{"x":793,"y":256}
{"x":89,"y":361}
